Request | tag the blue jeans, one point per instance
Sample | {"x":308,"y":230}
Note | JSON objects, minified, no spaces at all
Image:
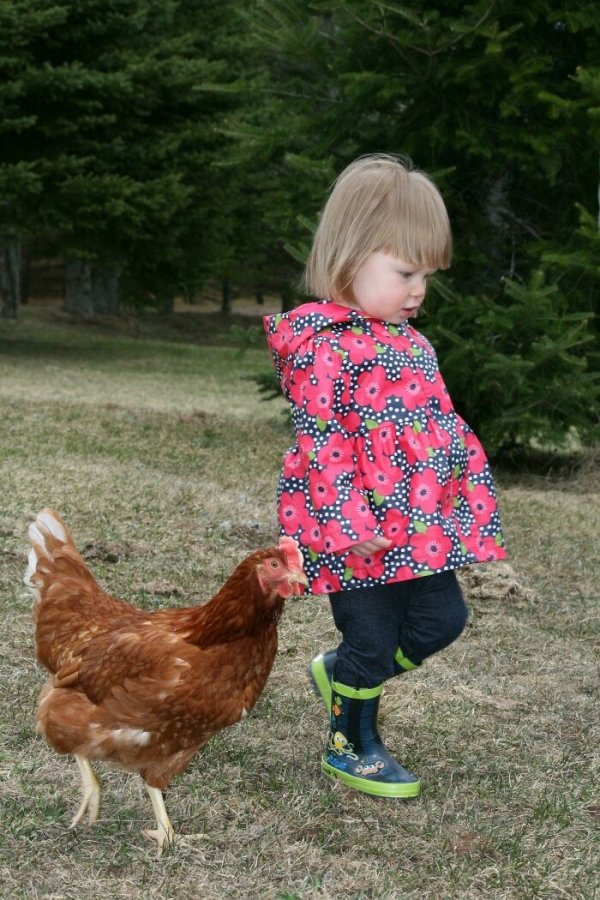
{"x":419,"y":617}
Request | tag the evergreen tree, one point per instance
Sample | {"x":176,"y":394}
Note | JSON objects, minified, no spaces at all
{"x":108,"y":111}
{"x":496,"y":102}
{"x":21,"y":181}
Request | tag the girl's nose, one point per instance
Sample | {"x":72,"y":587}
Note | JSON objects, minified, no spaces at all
{"x":419,"y":288}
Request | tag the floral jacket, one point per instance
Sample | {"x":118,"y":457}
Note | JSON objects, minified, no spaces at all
{"x":380,"y":450}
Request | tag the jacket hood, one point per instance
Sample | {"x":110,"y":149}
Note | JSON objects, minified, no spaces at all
{"x":288,"y":332}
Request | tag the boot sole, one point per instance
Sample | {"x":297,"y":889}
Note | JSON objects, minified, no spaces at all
{"x":377,"y":788}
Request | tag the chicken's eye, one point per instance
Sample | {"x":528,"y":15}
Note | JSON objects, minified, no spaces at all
{"x":274,"y":563}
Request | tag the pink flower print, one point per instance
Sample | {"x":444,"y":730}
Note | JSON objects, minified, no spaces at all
{"x":365,"y":566}
{"x":284,"y":341}
{"x":432,"y":547}
{"x":439,"y":391}
{"x":351,"y":423}
{"x":321,"y":489}
{"x":280,"y":340}
{"x":425,"y":490}
{"x":491,"y":550}
{"x":334,"y":538}
{"x":292,"y":511}
{"x":357,"y":512}
{"x":380,"y":476}
{"x":346,"y":394}
{"x":373,"y":389}
{"x":410,"y":389}
{"x":327,"y":362}
{"x":311,"y":536}
{"x":337,"y":454}
{"x":481,"y":503}
{"x":449,"y":493}
{"x":359,"y":346}
{"x":395,"y":527}
{"x":382,"y":334}
{"x":484,"y":548}
{"x":306,"y":443}
{"x":326,"y":582}
{"x":319,"y":399}
{"x":415,"y":445}
{"x":296,"y":385}
{"x":295,"y":464}
{"x":438,"y":437}
{"x":475,"y":452}
{"x":359,"y":446}
{"x":403,"y":573}
{"x":421,"y":340}
{"x":383,"y":439}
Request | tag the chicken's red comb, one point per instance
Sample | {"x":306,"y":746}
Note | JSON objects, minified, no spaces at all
{"x":292,"y":553}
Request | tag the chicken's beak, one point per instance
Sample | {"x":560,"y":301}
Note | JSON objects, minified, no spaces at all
{"x":298,"y":582}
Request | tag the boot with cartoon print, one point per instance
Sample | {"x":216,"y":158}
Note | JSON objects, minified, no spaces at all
{"x":321,"y":668}
{"x":356,"y":754}
{"x":320,"y":673}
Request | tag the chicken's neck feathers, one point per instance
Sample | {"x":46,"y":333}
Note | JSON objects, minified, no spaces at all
{"x":238,"y":609}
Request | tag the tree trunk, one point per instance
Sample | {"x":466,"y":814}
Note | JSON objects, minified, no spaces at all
{"x":25,"y":276}
{"x":167,"y":304}
{"x":91,"y":291}
{"x":105,"y":292}
{"x":78,"y":288}
{"x":226,"y":297}
{"x":599,"y":204}
{"x":10,"y":277}
{"x":287,"y":299}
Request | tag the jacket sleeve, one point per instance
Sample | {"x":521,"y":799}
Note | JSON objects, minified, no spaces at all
{"x":324,"y":464}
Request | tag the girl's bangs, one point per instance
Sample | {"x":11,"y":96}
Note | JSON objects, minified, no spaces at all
{"x":418,"y":228}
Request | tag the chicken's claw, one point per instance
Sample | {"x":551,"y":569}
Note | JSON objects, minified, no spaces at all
{"x":90,"y":789}
{"x":164,"y":833}
{"x":164,"y":839}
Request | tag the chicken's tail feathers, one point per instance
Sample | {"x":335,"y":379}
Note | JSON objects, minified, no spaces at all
{"x":52,"y":552}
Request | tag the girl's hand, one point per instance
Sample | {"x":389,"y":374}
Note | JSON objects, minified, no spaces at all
{"x":368,"y":548}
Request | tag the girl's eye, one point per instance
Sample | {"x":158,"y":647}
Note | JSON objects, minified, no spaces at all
{"x":408,"y":275}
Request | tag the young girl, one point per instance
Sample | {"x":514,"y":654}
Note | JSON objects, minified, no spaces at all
{"x":387,"y":489}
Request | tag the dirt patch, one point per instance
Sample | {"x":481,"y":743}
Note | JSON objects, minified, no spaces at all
{"x":496,"y":583}
{"x":112,"y":551}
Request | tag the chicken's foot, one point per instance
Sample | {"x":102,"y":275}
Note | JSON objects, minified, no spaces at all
{"x":164,"y":835}
{"x":90,"y":790}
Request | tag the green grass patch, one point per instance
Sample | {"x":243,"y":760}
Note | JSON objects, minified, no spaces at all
{"x":151,"y":440}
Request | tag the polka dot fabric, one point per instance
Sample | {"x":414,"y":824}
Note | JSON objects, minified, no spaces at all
{"x":380,"y":450}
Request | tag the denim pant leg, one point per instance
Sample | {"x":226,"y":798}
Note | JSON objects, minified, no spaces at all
{"x":436,"y":614}
{"x":419,"y":616}
{"x":369,"y":619}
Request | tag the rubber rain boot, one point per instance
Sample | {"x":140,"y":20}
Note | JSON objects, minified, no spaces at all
{"x":402,"y":663}
{"x":320,"y":673}
{"x":356,"y":754}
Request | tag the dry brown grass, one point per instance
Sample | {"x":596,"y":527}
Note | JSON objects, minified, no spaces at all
{"x":163,"y":462}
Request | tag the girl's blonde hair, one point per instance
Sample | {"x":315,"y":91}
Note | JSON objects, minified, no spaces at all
{"x":378,"y":203}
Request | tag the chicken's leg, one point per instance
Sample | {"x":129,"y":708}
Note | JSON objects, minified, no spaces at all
{"x":164,"y":835}
{"x":90,"y":790}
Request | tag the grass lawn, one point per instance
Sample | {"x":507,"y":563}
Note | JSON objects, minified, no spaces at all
{"x":150,"y":439}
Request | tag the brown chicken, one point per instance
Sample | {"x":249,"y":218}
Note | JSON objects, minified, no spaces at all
{"x":145,"y":690}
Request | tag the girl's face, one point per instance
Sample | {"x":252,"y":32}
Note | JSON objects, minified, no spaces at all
{"x":389,"y":288}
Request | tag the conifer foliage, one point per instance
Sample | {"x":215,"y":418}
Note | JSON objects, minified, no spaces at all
{"x":155,"y":144}
{"x":107,"y":111}
{"x":499,"y":103}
